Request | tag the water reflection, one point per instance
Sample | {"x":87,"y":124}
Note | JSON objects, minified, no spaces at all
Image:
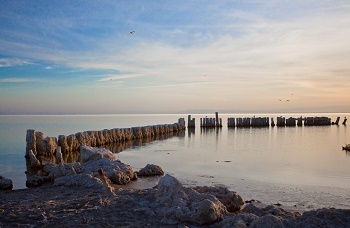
{"x":191,"y":131}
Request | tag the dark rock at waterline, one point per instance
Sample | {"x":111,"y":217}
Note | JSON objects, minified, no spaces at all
{"x":5,"y":183}
{"x":232,"y":201}
{"x":150,"y":170}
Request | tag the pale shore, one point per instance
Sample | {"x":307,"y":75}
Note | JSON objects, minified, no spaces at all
{"x":61,"y":206}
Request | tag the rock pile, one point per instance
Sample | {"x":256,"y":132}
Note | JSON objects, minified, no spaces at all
{"x":84,"y":173}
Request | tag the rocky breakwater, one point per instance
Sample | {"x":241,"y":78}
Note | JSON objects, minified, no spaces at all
{"x":44,"y":147}
{"x":86,"y":172}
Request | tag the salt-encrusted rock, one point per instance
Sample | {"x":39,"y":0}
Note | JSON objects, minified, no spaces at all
{"x":178,"y":203}
{"x":34,"y":181}
{"x":116,"y":171}
{"x":232,"y":201}
{"x":88,"y":153}
{"x":34,"y":162}
{"x":240,"y":220}
{"x":53,"y":171}
{"x":95,"y":158}
{"x":269,"y":220}
{"x":324,"y":218}
{"x":150,"y":170}
{"x":84,"y":180}
{"x":5,"y":183}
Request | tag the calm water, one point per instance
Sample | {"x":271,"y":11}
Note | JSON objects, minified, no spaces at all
{"x":302,"y":166}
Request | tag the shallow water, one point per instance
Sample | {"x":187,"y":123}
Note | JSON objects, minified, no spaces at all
{"x":302,"y":166}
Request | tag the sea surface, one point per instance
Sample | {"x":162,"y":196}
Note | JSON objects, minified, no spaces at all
{"x":301,"y":167}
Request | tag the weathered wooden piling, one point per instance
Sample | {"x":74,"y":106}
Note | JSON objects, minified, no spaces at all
{"x":217,"y":119}
{"x":260,"y":122}
{"x":290,"y":122}
{"x":317,"y":121}
{"x":231,"y":122}
{"x":281,"y":121}
{"x":211,"y":122}
{"x":337,"y":121}
{"x":243,"y":122}
{"x":191,"y":122}
{"x":300,"y":121}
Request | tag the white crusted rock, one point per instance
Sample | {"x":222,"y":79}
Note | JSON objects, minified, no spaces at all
{"x":178,"y":203}
{"x":88,"y":153}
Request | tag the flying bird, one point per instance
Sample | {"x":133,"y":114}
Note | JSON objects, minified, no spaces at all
{"x":132,"y":32}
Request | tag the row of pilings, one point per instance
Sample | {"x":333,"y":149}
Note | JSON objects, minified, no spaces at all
{"x":281,"y":121}
{"x":262,"y":121}
{"x":205,"y":122}
{"x":45,"y":147}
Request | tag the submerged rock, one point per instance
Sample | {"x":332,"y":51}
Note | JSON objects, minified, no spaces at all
{"x":150,"y":170}
{"x":177,"y":203}
{"x":5,"y":183}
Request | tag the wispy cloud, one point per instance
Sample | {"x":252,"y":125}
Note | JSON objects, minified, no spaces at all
{"x":9,"y":62}
{"x":17,"y":80}
{"x":119,"y":77}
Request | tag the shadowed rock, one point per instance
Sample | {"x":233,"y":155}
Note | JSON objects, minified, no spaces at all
{"x":232,"y":201}
{"x":150,"y":170}
{"x":5,"y":184}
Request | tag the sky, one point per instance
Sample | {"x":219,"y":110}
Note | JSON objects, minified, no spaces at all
{"x":236,"y":56}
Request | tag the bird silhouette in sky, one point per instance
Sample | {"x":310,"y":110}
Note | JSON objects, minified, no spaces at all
{"x":132,"y":32}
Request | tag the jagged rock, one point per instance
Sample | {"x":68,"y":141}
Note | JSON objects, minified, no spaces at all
{"x":34,"y":181}
{"x":93,"y":159}
{"x":178,"y":203}
{"x":5,"y":183}
{"x":53,"y":171}
{"x":88,"y":153}
{"x":116,"y":171}
{"x":150,"y":170}
{"x":232,"y":201}
{"x":34,"y":162}
{"x":325,"y":218}
{"x":241,"y":220}
{"x":269,"y":220}
{"x":85,"y":180}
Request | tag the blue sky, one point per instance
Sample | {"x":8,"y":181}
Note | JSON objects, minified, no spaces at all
{"x":185,"y":56}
